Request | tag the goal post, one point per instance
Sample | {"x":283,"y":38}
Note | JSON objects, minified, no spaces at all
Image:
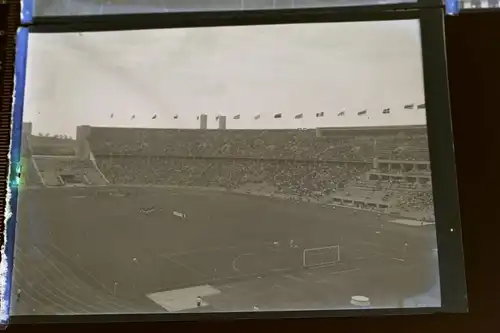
{"x":321,"y":256}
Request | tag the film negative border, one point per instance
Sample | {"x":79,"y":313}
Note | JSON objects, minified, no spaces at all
{"x":26,"y":10}
{"x":467,"y":6}
{"x":442,"y":154}
{"x":451,"y":265}
{"x":66,"y":16}
{"x":95,"y":23}
{"x":9,"y":18}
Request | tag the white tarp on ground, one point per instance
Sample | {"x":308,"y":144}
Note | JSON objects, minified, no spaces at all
{"x":182,"y":299}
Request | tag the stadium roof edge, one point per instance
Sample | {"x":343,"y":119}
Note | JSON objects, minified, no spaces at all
{"x":197,"y":129}
{"x":372,"y":128}
{"x":347,"y":129}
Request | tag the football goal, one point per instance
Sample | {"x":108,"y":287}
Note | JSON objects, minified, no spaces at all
{"x":321,"y":256}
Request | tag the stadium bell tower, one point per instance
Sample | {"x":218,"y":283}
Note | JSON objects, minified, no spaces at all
{"x":222,"y":122}
{"x":27,"y":128}
{"x":82,"y":144}
{"x":203,"y":121}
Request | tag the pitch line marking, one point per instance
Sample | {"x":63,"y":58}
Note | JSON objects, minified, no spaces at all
{"x":185,"y":266}
{"x":208,"y":250}
{"x":235,"y":260}
{"x":279,"y":269}
{"x":346,"y":271}
{"x":294,"y":278}
{"x":398,"y":259}
{"x":217,"y":249}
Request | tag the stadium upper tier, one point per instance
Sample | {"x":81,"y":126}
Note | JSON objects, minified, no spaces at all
{"x":320,"y":145}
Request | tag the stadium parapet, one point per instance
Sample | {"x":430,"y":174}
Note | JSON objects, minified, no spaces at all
{"x":402,"y":166}
{"x":418,"y":179}
{"x":361,"y":203}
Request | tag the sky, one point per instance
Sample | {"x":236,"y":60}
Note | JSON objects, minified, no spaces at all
{"x":81,"y":79}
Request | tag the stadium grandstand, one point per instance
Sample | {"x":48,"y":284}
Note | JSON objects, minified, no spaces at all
{"x":385,"y":169}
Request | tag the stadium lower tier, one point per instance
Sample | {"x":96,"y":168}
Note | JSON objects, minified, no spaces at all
{"x":310,"y":180}
{"x":285,"y":177}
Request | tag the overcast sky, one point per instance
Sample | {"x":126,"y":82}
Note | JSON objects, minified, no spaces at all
{"x":75,"y":79}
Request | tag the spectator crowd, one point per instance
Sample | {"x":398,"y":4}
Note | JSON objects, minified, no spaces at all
{"x":288,"y":162}
{"x":304,"y":179}
{"x":254,"y":144}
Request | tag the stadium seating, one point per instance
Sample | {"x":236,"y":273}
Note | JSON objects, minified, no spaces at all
{"x":279,"y":162}
{"x":290,"y":163}
{"x":264,"y":144}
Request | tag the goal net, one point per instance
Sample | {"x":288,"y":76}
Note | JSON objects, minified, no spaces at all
{"x":321,"y":256}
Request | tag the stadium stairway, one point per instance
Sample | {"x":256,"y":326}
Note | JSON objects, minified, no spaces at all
{"x":29,"y":174}
{"x":51,"y":168}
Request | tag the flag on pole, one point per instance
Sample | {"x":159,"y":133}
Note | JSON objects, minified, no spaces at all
{"x":237,"y":116}
{"x":386,"y":111}
{"x":299,"y":116}
{"x":421,"y":106}
{"x":320,"y":114}
{"x":257,"y":116}
{"x":360,"y":113}
{"x":278,"y":115}
{"x":409,"y":106}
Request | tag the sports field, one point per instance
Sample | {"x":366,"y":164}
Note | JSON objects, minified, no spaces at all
{"x":94,"y":250}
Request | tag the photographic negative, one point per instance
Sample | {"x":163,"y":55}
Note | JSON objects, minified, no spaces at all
{"x":479,"y":4}
{"x":102,"y":7}
{"x":226,"y":169}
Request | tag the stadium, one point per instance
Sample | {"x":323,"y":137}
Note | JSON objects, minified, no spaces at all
{"x":131,"y":220}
